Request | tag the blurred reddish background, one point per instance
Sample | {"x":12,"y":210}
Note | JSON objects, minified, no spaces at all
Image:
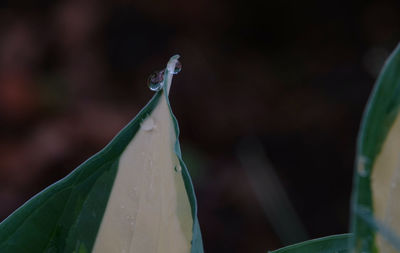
{"x":294,"y":74}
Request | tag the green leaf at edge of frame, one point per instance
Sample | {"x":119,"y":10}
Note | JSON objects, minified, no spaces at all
{"x":328,"y":244}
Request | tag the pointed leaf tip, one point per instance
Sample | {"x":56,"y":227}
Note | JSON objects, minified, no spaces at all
{"x":173,"y":61}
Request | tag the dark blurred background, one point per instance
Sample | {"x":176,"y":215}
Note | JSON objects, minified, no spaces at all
{"x":292,"y":75}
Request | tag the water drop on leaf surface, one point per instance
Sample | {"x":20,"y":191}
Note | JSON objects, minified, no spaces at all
{"x":361,"y":166}
{"x":148,"y":124}
{"x":178,"y":168}
{"x":155,"y":80}
{"x":178,"y":67}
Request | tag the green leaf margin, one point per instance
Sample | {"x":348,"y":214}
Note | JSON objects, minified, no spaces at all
{"x":328,"y":244}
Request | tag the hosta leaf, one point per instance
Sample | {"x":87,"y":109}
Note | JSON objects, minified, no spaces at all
{"x":329,"y":244}
{"x":376,"y":191}
{"x":135,"y":195}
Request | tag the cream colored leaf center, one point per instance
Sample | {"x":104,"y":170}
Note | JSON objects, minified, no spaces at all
{"x":148,"y":210}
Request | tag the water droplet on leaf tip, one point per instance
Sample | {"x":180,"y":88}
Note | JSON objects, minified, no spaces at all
{"x":178,"y":67}
{"x":155,"y":80}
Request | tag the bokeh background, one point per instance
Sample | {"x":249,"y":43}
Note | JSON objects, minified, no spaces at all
{"x":269,"y":101}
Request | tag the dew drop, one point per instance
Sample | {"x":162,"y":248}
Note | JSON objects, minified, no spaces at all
{"x":155,"y":80}
{"x":178,"y":68}
{"x":361,"y":166}
{"x":148,"y":124}
{"x":178,"y":168}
